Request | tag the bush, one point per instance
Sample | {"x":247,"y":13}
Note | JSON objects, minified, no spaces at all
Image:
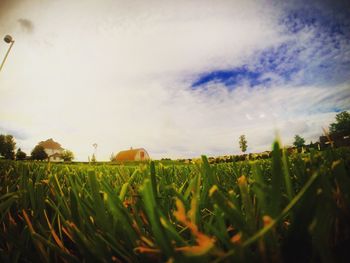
{"x":20,"y":155}
{"x":38,"y":153}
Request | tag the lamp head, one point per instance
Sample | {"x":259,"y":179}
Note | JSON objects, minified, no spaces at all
{"x":8,"y":39}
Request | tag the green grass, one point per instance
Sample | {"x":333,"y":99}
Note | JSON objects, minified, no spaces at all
{"x":288,"y":208}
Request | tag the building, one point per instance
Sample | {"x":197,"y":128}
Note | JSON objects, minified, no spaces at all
{"x":339,"y":139}
{"x":53,"y":150}
{"x":139,"y":154}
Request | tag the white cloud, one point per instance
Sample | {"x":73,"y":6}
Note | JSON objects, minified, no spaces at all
{"x":118,"y":74}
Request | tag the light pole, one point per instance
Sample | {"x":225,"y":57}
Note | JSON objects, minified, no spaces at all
{"x":9,"y":40}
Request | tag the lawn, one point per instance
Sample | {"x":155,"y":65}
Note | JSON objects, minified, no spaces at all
{"x":291,"y":208}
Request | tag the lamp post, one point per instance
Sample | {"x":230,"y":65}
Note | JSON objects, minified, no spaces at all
{"x":9,"y":40}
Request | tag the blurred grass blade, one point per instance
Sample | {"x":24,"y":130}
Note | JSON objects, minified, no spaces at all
{"x":276,"y":181}
{"x":233,"y":214}
{"x":152,"y":208}
{"x":247,"y":203}
{"x":291,"y":204}
{"x":287,"y":177}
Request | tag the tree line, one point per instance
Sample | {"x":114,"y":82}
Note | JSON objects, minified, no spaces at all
{"x":8,"y":143}
{"x":341,"y":124}
{"x":8,"y":146}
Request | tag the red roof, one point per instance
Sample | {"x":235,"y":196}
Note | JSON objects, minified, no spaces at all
{"x":128,"y":155}
{"x":51,"y":144}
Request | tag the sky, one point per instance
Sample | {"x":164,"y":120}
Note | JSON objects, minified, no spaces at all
{"x":178,"y":78}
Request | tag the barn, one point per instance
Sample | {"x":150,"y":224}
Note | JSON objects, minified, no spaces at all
{"x":139,"y":154}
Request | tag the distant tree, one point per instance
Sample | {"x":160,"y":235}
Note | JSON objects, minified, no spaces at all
{"x":2,"y":144}
{"x":243,"y":144}
{"x":7,"y":146}
{"x":67,"y":155}
{"x":341,"y":124}
{"x":298,"y":141}
{"x":20,"y":155}
{"x":311,"y":145}
{"x":112,"y":157}
{"x":93,"y":158}
{"x":38,"y":153}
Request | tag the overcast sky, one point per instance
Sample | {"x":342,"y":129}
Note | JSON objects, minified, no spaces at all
{"x":179,"y":78}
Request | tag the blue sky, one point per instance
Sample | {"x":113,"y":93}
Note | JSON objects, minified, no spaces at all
{"x":317,"y":59}
{"x":178,"y":78}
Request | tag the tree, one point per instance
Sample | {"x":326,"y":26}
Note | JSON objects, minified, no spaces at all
{"x":20,"y":155}
{"x":7,"y":146}
{"x":67,"y":155}
{"x":93,"y":158}
{"x":298,"y":141}
{"x":39,"y":153}
{"x":341,"y":124}
{"x":243,"y":143}
{"x":112,"y":157}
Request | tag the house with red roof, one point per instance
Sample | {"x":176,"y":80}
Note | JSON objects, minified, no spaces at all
{"x":53,"y":150}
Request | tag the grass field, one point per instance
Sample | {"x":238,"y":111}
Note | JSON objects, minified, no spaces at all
{"x":288,"y":208}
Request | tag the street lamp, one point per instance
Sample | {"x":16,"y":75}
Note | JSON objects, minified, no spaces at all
{"x":9,"y":40}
